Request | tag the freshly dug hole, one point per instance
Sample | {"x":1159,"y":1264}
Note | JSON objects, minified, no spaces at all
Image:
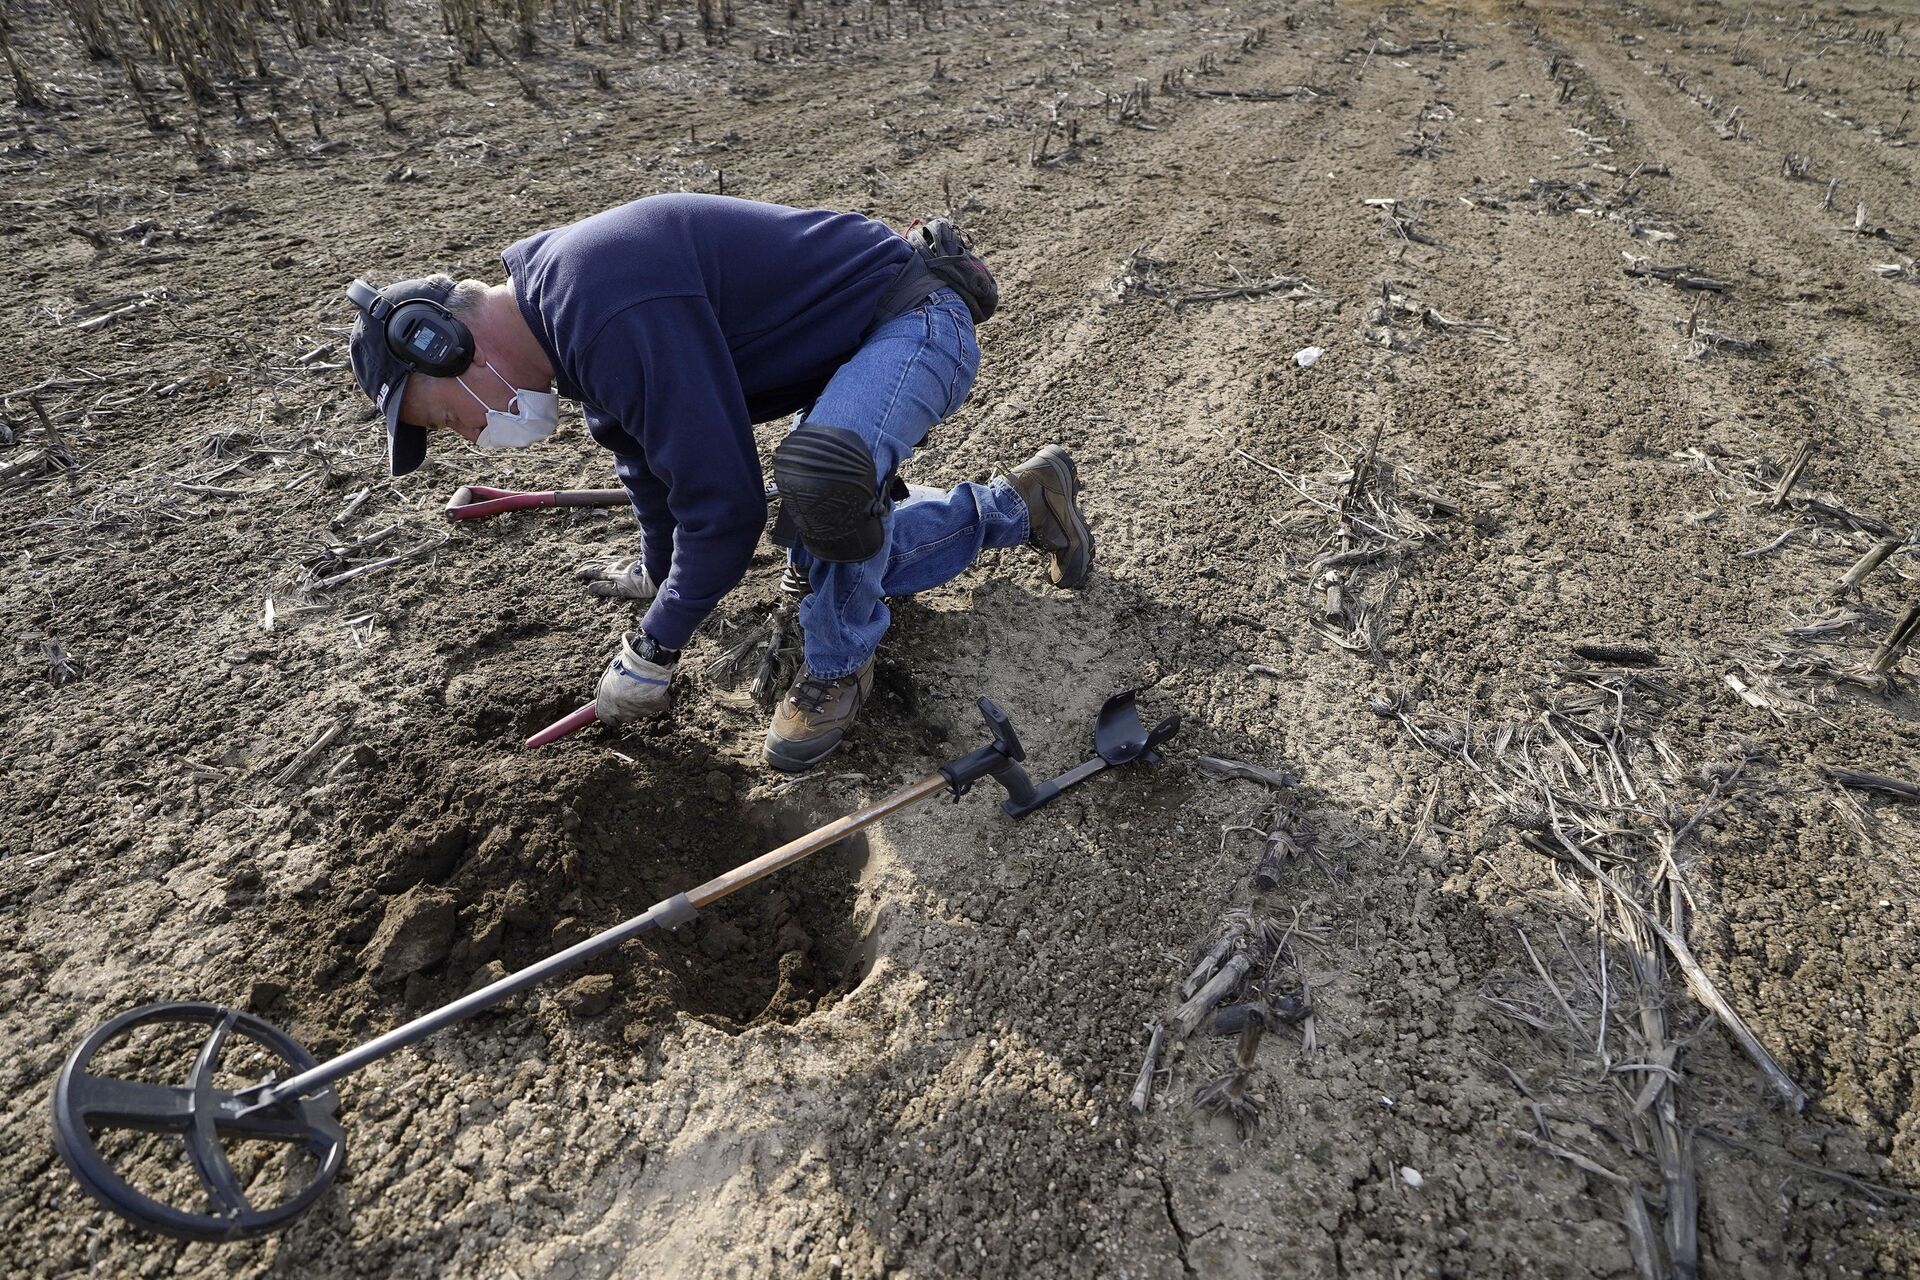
{"x":775,"y":951}
{"x":498,"y":882}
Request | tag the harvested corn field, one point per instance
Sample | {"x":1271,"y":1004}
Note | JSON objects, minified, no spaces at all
{"x":1499,"y":423}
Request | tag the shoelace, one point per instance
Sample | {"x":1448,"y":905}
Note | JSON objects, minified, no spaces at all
{"x":811,"y":694}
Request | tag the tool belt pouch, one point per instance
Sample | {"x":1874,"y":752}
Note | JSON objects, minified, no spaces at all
{"x":953,"y":262}
{"x":829,"y":502}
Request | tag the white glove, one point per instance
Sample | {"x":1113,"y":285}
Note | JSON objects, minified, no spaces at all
{"x":632,"y":687}
{"x":619,"y":580}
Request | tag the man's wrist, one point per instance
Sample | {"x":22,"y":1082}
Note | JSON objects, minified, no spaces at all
{"x":651,"y":650}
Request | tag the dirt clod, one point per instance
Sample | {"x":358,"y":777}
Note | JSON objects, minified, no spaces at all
{"x":264,"y":993}
{"x":487,"y":974}
{"x":588,"y":997}
{"x":415,"y":934}
{"x":721,"y":941}
{"x":520,"y":909}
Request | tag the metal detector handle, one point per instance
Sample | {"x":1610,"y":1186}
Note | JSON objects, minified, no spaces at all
{"x":1162,"y":732}
{"x":999,"y":760}
{"x":1005,"y":740}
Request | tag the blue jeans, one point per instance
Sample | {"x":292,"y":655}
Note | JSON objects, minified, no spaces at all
{"x":911,"y":372}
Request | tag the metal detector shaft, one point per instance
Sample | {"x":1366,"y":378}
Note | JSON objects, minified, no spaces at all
{"x":674,"y":911}
{"x":814,"y":841}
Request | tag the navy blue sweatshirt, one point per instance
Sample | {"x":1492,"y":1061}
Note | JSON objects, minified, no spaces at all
{"x":677,"y":322}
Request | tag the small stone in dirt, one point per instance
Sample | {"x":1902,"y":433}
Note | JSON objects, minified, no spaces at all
{"x":722,"y":940}
{"x":263,"y":992}
{"x":588,"y":997}
{"x":416,"y":933}
{"x":1305,"y":356}
{"x":1412,"y":1177}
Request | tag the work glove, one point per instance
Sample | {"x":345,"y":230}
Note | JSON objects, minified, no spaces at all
{"x":619,"y":580}
{"x":637,"y":684}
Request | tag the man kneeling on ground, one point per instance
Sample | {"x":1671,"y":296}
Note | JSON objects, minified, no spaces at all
{"x":677,"y":322}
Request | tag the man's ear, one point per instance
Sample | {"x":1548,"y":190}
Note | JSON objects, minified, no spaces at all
{"x":482,"y":358}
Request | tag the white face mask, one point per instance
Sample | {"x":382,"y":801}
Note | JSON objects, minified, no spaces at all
{"x":536,"y":416}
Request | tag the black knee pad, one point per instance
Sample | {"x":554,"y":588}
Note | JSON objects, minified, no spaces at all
{"x":830,"y":494}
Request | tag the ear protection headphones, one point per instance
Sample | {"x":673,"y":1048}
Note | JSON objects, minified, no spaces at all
{"x":421,"y":333}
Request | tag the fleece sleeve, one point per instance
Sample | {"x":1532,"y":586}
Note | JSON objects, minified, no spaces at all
{"x":650,"y":508}
{"x":690,"y":416}
{"x":648,"y":495}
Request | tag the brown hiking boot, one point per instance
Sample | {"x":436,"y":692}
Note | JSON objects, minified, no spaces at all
{"x":1050,"y":487}
{"x":814,"y":718}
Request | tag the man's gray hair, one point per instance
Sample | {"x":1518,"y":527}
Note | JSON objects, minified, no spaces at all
{"x":466,"y":297}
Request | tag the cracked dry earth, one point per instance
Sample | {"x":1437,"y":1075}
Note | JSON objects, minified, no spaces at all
{"x":914,"y":1055}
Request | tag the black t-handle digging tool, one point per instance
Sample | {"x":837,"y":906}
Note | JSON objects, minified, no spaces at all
{"x":261,"y":1154}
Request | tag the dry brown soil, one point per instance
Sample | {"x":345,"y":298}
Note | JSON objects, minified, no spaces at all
{"x":914,"y":1056}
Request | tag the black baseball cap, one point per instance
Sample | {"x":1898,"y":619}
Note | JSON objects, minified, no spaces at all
{"x":383,"y":375}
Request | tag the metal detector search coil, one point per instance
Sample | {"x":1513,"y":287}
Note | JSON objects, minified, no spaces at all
{"x":204,"y":1117}
{"x":295,"y":1105}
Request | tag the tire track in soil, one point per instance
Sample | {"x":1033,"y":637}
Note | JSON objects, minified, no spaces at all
{"x":1758,"y":215}
{"x":1707,"y":607}
{"x":1370,"y":1230}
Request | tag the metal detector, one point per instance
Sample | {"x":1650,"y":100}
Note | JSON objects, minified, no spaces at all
{"x":294,"y":1106}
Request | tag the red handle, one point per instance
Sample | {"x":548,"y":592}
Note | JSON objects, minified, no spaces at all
{"x":591,"y":498}
{"x":477,"y":501}
{"x":565,"y":725}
